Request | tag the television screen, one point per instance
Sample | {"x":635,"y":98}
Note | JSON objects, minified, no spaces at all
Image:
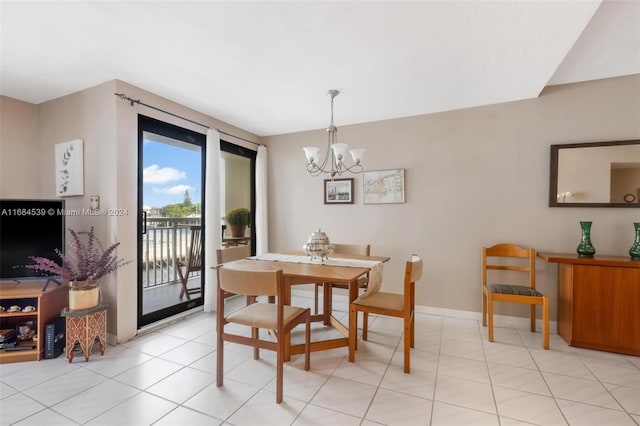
{"x":29,"y":228}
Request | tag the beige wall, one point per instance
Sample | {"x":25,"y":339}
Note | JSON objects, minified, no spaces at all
{"x":474,"y":177}
{"x":19,"y":155}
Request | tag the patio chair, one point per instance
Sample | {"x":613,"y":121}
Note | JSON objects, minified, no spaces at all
{"x":192,"y":263}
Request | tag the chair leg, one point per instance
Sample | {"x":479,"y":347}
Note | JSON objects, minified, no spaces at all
{"x":353,"y":331}
{"x":413,"y":328}
{"x":484,"y":309}
{"x":365,"y":325}
{"x":490,"y":316}
{"x":255,"y":334}
{"x":407,"y":344}
{"x":545,"y":322}
{"x":219,"y":356}
{"x":279,"y":370}
{"x":533,"y":318}
{"x":307,"y":344}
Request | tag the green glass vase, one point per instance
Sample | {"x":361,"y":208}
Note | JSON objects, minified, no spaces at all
{"x":634,"y":251}
{"x":585,"y":248}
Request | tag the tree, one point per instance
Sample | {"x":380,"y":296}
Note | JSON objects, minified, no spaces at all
{"x":186,"y":202}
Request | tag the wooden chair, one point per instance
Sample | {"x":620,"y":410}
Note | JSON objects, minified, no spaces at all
{"x":389,"y":304}
{"x":502,"y":259}
{"x":192,"y":263}
{"x":230,"y":254}
{"x":358,"y":249}
{"x":279,"y":317}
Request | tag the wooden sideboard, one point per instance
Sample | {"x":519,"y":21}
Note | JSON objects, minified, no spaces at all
{"x":47,"y":306}
{"x":598,"y":301}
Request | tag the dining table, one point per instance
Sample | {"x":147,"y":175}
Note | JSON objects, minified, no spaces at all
{"x":315,"y":271}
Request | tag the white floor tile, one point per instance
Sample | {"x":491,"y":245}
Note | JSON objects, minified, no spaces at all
{"x":465,"y":393}
{"x":452,"y":415}
{"x":629,"y":398}
{"x":345,"y":396}
{"x":589,"y":415}
{"x":581,"y":390}
{"x":523,"y":379}
{"x":85,"y":406}
{"x":182,"y":384}
{"x":463,"y":368}
{"x":130,"y":413}
{"x":186,"y":416}
{"x":46,"y":417}
{"x":528,"y":407}
{"x":59,"y":388}
{"x":167,"y":377}
{"x":318,"y":416}
{"x":18,"y":407}
{"x":148,"y":373}
{"x":394,"y":408}
{"x":262,"y":409}
{"x":221,"y":402}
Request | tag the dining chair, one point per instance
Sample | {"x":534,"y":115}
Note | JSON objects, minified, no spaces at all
{"x":357,"y":249}
{"x":517,"y":261}
{"x":192,"y":262}
{"x":277,"y":316}
{"x":229,"y":254}
{"x":389,"y":304}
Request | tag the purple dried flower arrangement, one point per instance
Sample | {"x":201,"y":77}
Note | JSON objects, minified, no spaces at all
{"x":85,"y":260}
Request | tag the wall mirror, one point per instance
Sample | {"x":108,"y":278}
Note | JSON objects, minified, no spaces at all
{"x":600,"y":174}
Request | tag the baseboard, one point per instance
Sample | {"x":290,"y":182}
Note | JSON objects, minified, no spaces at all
{"x":498,"y":320}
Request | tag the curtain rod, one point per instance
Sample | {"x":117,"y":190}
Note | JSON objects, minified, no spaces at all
{"x":124,"y":97}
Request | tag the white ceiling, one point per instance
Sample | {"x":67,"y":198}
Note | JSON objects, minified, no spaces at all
{"x":266,"y":66}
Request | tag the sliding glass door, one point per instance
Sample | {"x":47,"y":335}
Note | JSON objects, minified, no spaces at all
{"x":171,"y":213}
{"x":237,"y":190}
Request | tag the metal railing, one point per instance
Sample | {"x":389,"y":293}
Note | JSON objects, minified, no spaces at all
{"x":165,"y":243}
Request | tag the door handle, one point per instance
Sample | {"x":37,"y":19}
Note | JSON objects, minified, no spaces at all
{"x":144,"y":222}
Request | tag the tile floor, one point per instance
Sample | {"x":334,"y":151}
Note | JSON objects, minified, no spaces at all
{"x":167,"y":377}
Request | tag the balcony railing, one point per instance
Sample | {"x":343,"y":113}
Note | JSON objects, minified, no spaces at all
{"x":165,"y":243}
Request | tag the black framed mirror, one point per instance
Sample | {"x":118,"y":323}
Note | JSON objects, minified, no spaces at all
{"x":598,"y":174}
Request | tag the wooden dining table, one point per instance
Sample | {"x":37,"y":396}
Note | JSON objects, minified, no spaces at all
{"x":316,"y":272}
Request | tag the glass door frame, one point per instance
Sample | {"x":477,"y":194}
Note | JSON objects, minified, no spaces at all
{"x":251,"y":155}
{"x":152,"y":125}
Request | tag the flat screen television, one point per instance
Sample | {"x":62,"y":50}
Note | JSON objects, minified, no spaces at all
{"x":29,"y":228}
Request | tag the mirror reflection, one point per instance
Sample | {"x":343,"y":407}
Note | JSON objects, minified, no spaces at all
{"x":603,"y":174}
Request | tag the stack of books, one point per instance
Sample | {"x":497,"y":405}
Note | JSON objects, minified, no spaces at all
{"x":7,"y":337}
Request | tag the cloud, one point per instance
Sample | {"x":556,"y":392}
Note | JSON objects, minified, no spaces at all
{"x":173,"y":190}
{"x":156,"y":174}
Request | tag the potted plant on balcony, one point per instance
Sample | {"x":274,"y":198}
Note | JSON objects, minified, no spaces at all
{"x":81,"y":267}
{"x":238,"y":220}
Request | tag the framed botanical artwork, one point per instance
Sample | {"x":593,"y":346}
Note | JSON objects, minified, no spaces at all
{"x":338,"y":191}
{"x":69,"y":168}
{"x":383,"y":186}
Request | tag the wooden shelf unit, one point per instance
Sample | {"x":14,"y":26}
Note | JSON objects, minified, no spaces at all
{"x":598,"y":301}
{"x":48,"y":306}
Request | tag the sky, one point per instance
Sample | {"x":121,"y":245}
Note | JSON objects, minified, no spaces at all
{"x":168,"y":171}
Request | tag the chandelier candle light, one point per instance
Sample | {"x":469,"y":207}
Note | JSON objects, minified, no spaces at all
{"x":337,"y":165}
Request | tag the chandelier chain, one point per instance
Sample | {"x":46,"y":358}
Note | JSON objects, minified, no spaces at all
{"x":335,"y":152}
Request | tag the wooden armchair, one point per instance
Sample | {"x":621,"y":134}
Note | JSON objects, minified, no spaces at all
{"x":358,"y":249}
{"x":230,"y":254}
{"x":497,"y":258}
{"x":278,"y":317}
{"x":389,"y":304}
{"x":192,"y":263}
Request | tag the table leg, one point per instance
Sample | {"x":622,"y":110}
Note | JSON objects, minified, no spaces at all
{"x":327,"y":303}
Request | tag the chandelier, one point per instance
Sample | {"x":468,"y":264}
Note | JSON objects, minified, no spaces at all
{"x":336,"y":165}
